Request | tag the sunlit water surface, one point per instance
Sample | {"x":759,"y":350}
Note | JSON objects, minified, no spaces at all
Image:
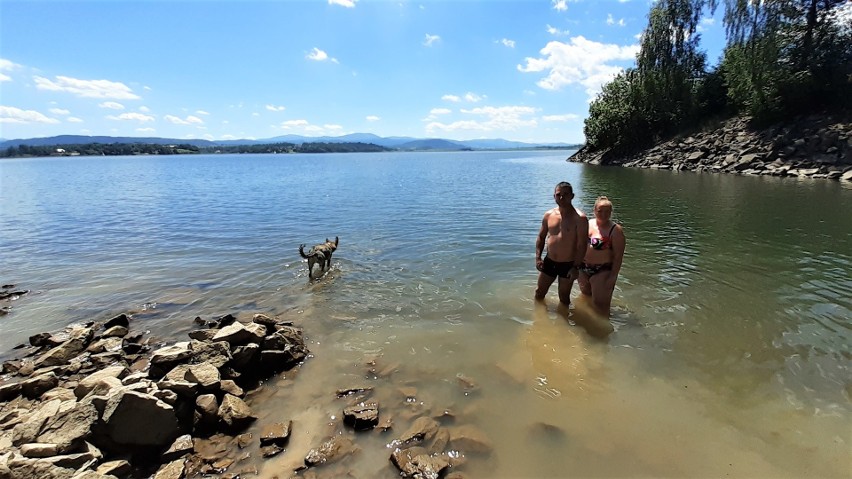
{"x":731,"y":352}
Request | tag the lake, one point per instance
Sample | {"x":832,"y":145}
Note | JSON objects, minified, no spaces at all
{"x":731,"y":353}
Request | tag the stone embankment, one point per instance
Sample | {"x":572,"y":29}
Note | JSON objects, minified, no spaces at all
{"x":811,"y":147}
{"x":99,"y":401}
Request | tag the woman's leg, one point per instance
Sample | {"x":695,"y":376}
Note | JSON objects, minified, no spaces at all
{"x":601,"y":294}
{"x":583,"y":282}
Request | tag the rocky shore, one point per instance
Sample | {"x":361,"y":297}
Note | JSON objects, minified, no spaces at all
{"x":101,"y":400}
{"x":810,"y":147}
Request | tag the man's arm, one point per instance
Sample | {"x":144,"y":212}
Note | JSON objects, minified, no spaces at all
{"x":540,"y":241}
{"x":582,"y":239}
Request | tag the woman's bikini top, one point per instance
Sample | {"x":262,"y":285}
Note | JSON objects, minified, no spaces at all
{"x":603,"y":242}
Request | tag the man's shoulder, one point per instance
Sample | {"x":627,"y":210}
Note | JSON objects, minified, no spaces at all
{"x":580,"y":213}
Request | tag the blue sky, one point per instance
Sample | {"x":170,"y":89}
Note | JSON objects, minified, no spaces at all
{"x":520,"y":70}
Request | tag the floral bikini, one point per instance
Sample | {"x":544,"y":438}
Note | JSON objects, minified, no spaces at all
{"x":602,"y":243}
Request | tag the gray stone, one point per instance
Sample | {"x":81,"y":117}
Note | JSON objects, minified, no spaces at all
{"x":362,"y":416}
{"x":9,"y":391}
{"x":235,"y":334}
{"x":205,"y":375}
{"x":330,"y":451}
{"x":29,"y":428}
{"x":172,"y":354}
{"x":87,"y":384}
{"x":276,"y":434}
{"x":133,"y":418}
{"x":181,"y":447}
{"x":61,"y":354}
{"x":115,"y":332}
{"x":416,"y":462}
{"x":39,"y":450}
{"x":172,"y":470}
{"x":67,"y":429}
{"x":117,"y":468}
{"x":35,"y":387}
{"x":234,"y":412}
{"x":230,"y":387}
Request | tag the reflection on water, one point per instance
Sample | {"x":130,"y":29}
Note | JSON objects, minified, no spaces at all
{"x":730,"y":353}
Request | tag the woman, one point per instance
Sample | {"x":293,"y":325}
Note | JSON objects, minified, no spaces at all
{"x":604,"y":255}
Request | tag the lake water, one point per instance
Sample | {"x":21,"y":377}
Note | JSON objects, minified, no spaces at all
{"x":731,"y":353}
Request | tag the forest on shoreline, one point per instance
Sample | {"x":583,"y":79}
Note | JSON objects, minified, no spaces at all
{"x":783,"y":60}
{"x":129,"y":149}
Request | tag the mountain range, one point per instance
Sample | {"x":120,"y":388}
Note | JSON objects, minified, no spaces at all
{"x":394,"y":142}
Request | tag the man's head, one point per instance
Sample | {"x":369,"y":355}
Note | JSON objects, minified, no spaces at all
{"x":563,"y":193}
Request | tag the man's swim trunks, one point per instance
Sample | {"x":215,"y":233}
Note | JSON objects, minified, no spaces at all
{"x":557,"y":268}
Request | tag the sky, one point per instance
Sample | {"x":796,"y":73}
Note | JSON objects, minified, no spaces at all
{"x":522,"y":70}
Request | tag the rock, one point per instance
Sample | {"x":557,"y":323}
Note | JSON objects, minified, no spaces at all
{"x":120,"y":320}
{"x":330,"y":451}
{"x":69,"y":428}
{"x":21,"y":468}
{"x":133,"y":418}
{"x":27,"y":430}
{"x":9,"y":391}
{"x":847,"y":176}
{"x":207,"y":405}
{"x":695,"y":156}
{"x":230,"y":387}
{"x":171,"y":355}
{"x":362,"y":416}
{"x":61,"y":354}
{"x":223,"y":321}
{"x":234,"y":412}
{"x":217,"y":353}
{"x":264,"y":320}
{"x":181,"y":447}
{"x":203,"y":334}
{"x":115,"y":332}
{"x":235,"y":334}
{"x":88,"y":383}
{"x":39,"y":450}
{"x":423,"y":429}
{"x":470,"y":439}
{"x":276,"y":434}
{"x":258,"y":332}
{"x":416,"y":462}
{"x":172,"y":470}
{"x":118,"y":468}
{"x":205,"y":374}
{"x":42,"y":339}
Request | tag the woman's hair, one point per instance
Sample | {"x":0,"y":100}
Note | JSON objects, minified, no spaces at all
{"x":603,"y":201}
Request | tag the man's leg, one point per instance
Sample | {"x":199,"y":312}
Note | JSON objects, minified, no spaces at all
{"x":544,"y":282}
{"x":565,"y":285}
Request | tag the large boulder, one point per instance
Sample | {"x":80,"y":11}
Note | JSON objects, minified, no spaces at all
{"x":137,"y":419}
{"x":68,"y":429}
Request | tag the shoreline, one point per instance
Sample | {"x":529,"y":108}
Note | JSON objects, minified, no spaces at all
{"x":816,"y":146}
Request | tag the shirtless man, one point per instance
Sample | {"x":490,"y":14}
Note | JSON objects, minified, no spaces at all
{"x":565,"y":230}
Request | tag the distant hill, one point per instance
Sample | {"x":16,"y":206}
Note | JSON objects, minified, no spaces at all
{"x":432,"y":144}
{"x":398,"y":142}
{"x":81,"y":140}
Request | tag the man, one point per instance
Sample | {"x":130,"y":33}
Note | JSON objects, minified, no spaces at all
{"x":565,"y":231}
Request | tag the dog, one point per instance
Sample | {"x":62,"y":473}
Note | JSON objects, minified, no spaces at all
{"x":319,"y":254}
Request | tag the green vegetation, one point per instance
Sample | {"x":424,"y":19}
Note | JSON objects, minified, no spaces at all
{"x":783,"y":58}
{"x":110,"y":149}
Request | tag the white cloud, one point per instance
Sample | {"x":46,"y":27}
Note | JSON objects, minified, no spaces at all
{"x":111,"y":105}
{"x":294,"y":124}
{"x":144,"y":109}
{"x":343,"y":3}
{"x":506,"y":118}
{"x":59,"y":111}
{"x":201,"y":112}
{"x":87,"y":88}
{"x":74,"y":119}
{"x":372,"y":118}
{"x":332,"y":127}
{"x":709,"y":22}
{"x":318,"y":55}
{"x":132,"y":117}
{"x":190,"y":120}
{"x":275,"y":108}
{"x":255,"y":114}
{"x":557,"y":32}
{"x":440,"y":111}
{"x":611,"y":21}
{"x":452,"y":98}
{"x":560,"y":5}
{"x":842,"y":16}
{"x":10,"y":114}
{"x":508,"y":43}
{"x":5,"y":77}
{"x":430,"y":39}
{"x":146,"y":130}
{"x":584,"y":62}
{"x":473,"y":97}
{"x":565,"y":117}
{"x":7,"y":65}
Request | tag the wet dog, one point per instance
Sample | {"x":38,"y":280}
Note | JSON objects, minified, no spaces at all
{"x":320,"y":255}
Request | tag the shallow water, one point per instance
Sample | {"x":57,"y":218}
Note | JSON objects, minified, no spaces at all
{"x":731,"y":352}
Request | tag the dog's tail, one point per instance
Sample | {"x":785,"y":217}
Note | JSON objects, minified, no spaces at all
{"x":302,"y":252}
